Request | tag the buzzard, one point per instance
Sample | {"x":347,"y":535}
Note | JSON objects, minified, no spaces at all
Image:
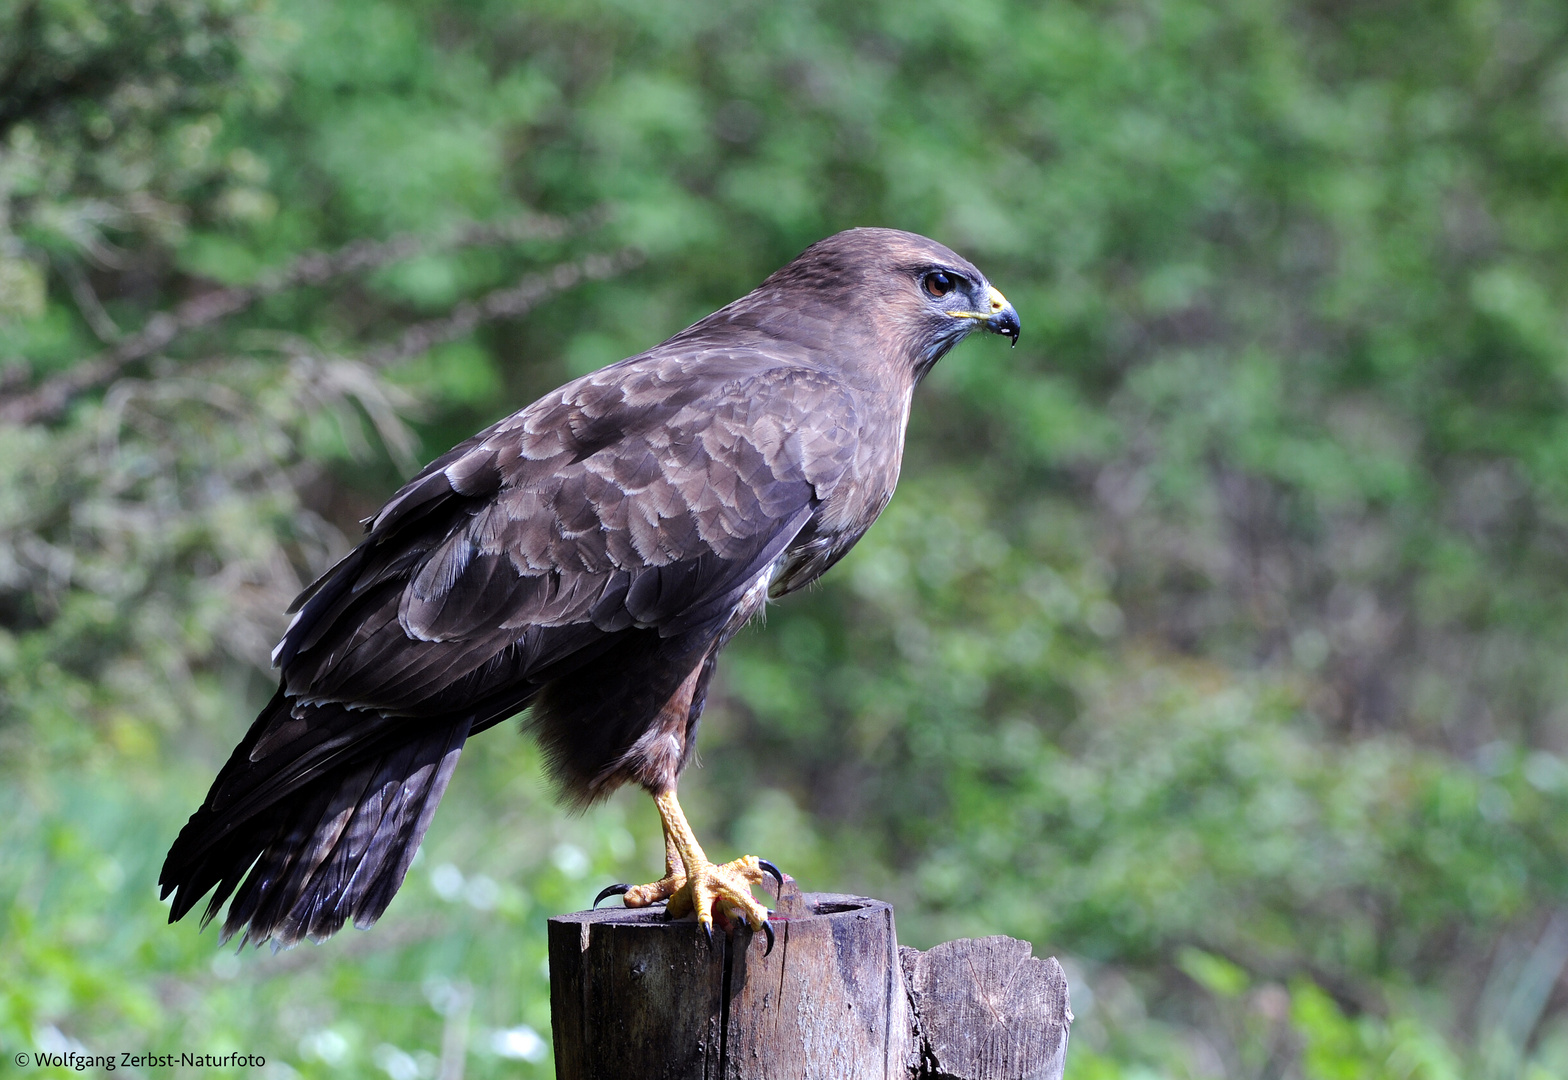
{"x":586,"y":558}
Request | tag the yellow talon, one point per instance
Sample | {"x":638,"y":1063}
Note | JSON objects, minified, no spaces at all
{"x":692,"y":883}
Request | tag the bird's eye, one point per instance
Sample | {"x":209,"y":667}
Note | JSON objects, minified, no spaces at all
{"x":938,"y":283}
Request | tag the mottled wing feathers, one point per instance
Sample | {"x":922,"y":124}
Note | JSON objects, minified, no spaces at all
{"x":547,"y":520}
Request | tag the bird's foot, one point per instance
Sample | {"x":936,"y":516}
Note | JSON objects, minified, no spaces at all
{"x":722,"y":892}
{"x":716,"y":893}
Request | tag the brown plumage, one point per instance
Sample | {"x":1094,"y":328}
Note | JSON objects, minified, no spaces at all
{"x":588,"y":556}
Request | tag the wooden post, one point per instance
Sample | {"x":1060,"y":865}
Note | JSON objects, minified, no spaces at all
{"x":633,"y":995}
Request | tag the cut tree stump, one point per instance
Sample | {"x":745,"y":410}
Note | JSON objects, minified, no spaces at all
{"x":987,"y":1008}
{"x":633,"y":995}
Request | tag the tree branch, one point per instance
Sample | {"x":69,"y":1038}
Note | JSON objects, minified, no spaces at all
{"x":48,"y":400}
{"x":508,"y":303}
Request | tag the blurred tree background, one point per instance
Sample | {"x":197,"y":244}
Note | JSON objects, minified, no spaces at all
{"x":1214,"y":641}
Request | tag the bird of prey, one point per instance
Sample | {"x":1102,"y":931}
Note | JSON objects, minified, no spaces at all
{"x":587,"y":559}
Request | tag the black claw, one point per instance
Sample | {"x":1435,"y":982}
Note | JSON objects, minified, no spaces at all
{"x":778,"y":875}
{"x":767,"y":928}
{"x":620,"y":889}
{"x":707,"y":929}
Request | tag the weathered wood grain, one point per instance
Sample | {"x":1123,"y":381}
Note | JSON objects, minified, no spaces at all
{"x":986,"y":1009}
{"x":828,"y":1002}
{"x":633,"y":995}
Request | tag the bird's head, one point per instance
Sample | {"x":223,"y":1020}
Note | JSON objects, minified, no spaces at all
{"x":878,"y":295}
{"x":955,"y":301}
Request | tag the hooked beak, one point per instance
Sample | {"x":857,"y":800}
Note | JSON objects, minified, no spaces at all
{"x":1000,"y":319}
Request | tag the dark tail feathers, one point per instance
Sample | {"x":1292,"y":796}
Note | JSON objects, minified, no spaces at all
{"x":331,"y":849}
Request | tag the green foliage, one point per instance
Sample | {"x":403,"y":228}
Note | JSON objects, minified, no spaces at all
{"x":1213,"y":641}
